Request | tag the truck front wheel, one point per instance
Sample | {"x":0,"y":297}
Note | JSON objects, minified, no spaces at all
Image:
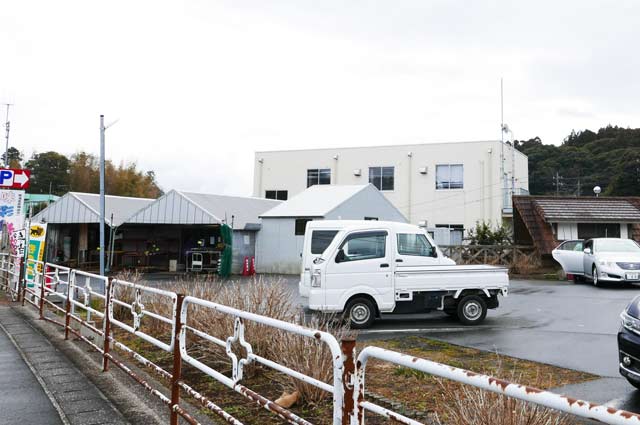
{"x":472,"y":310}
{"x":361,"y":313}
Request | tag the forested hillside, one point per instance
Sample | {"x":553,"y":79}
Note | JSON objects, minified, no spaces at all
{"x":55,"y":173}
{"x":609,"y":158}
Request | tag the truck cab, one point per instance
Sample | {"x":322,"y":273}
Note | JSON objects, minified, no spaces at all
{"x":372,"y":267}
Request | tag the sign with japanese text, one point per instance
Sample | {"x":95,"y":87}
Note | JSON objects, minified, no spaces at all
{"x":11,"y":212}
{"x":37,"y":238}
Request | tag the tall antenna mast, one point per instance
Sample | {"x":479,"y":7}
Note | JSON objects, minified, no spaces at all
{"x":6,"y":148}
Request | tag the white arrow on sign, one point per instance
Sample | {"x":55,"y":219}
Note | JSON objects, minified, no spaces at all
{"x":21,"y":179}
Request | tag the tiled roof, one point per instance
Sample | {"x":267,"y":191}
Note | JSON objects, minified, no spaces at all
{"x":587,"y":210}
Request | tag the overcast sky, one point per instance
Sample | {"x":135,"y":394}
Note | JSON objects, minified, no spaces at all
{"x":199,"y":85}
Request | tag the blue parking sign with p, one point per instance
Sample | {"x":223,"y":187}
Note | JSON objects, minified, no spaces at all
{"x":6,"y":176}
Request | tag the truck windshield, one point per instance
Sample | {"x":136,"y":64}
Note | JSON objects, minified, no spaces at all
{"x":414,"y":244}
{"x":616,"y":245}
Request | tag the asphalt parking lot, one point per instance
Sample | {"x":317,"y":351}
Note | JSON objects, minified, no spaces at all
{"x":558,"y":323}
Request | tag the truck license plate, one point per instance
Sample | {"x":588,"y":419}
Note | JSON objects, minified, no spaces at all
{"x":633,"y":276}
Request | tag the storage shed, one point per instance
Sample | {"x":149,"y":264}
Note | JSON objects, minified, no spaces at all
{"x":73,"y":225}
{"x":545,"y":221}
{"x":180,"y":227}
{"x":279,"y":243}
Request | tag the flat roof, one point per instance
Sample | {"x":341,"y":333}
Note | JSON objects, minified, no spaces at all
{"x":409,"y":145}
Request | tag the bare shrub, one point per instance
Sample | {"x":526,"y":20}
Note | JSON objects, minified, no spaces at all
{"x":125,"y":294}
{"x":267,"y":297}
{"x":309,"y":355}
{"x":467,"y":405}
{"x":526,"y":265}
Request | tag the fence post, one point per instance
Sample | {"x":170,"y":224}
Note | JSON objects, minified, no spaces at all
{"x":67,"y":307}
{"x":106,"y":329}
{"x":21,"y":282}
{"x":42,"y":280}
{"x":177,"y":360}
{"x":348,"y":347}
{"x":24,"y":283}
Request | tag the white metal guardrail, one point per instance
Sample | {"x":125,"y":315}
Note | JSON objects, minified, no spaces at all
{"x":40,"y":283}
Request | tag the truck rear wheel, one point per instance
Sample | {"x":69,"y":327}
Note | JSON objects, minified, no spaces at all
{"x":361,"y":313}
{"x":472,"y":310}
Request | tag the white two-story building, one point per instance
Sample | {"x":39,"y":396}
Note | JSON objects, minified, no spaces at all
{"x":450,"y":185}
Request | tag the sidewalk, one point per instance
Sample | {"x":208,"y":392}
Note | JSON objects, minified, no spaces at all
{"x":39,"y":385}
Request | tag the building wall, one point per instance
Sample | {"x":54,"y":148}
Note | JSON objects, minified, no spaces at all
{"x":278,"y":248}
{"x":414,"y":194}
{"x":367,"y":203}
{"x":567,"y":231}
{"x":244,"y":245}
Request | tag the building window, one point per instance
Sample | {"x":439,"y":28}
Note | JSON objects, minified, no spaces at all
{"x":381,"y":177}
{"x":371,"y":218}
{"x":318,"y":176}
{"x":456,"y":233}
{"x":301,"y":225}
{"x":321,"y":239}
{"x":598,"y":230}
{"x":280,"y":195}
{"x":449,"y":176}
{"x":362,"y":246}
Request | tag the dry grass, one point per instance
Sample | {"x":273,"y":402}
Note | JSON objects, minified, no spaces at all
{"x":526,"y":265}
{"x":467,"y":405}
{"x":264,"y":296}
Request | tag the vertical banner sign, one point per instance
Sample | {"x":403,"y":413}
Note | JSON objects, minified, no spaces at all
{"x":37,"y":237}
{"x":18,"y":240}
{"x":12,"y":213}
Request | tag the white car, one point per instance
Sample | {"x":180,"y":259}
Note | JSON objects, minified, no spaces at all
{"x":601,"y":259}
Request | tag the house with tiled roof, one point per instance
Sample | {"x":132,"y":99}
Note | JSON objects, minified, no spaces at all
{"x":545,"y":221}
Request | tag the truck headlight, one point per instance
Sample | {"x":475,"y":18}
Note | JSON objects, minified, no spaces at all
{"x":630,"y":323}
{"x":316,"y":277}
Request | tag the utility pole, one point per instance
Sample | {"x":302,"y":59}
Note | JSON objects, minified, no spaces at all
{"x":6,"y":148}
{"x":102,"y":130}
{"x":557,"y":178}
{"x":502,"y":185}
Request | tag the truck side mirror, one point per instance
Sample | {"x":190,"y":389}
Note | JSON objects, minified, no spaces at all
{"x":340,"y":257}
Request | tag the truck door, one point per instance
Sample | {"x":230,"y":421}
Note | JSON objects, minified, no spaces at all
{"x":414,"y":249}
{"x":313,"y":248}
{"x":363,"y":260}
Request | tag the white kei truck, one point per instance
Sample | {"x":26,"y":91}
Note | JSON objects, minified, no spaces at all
{"x":362,"y":269}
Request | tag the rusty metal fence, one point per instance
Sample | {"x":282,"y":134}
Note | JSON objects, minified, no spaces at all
{"x":91,"y":307}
